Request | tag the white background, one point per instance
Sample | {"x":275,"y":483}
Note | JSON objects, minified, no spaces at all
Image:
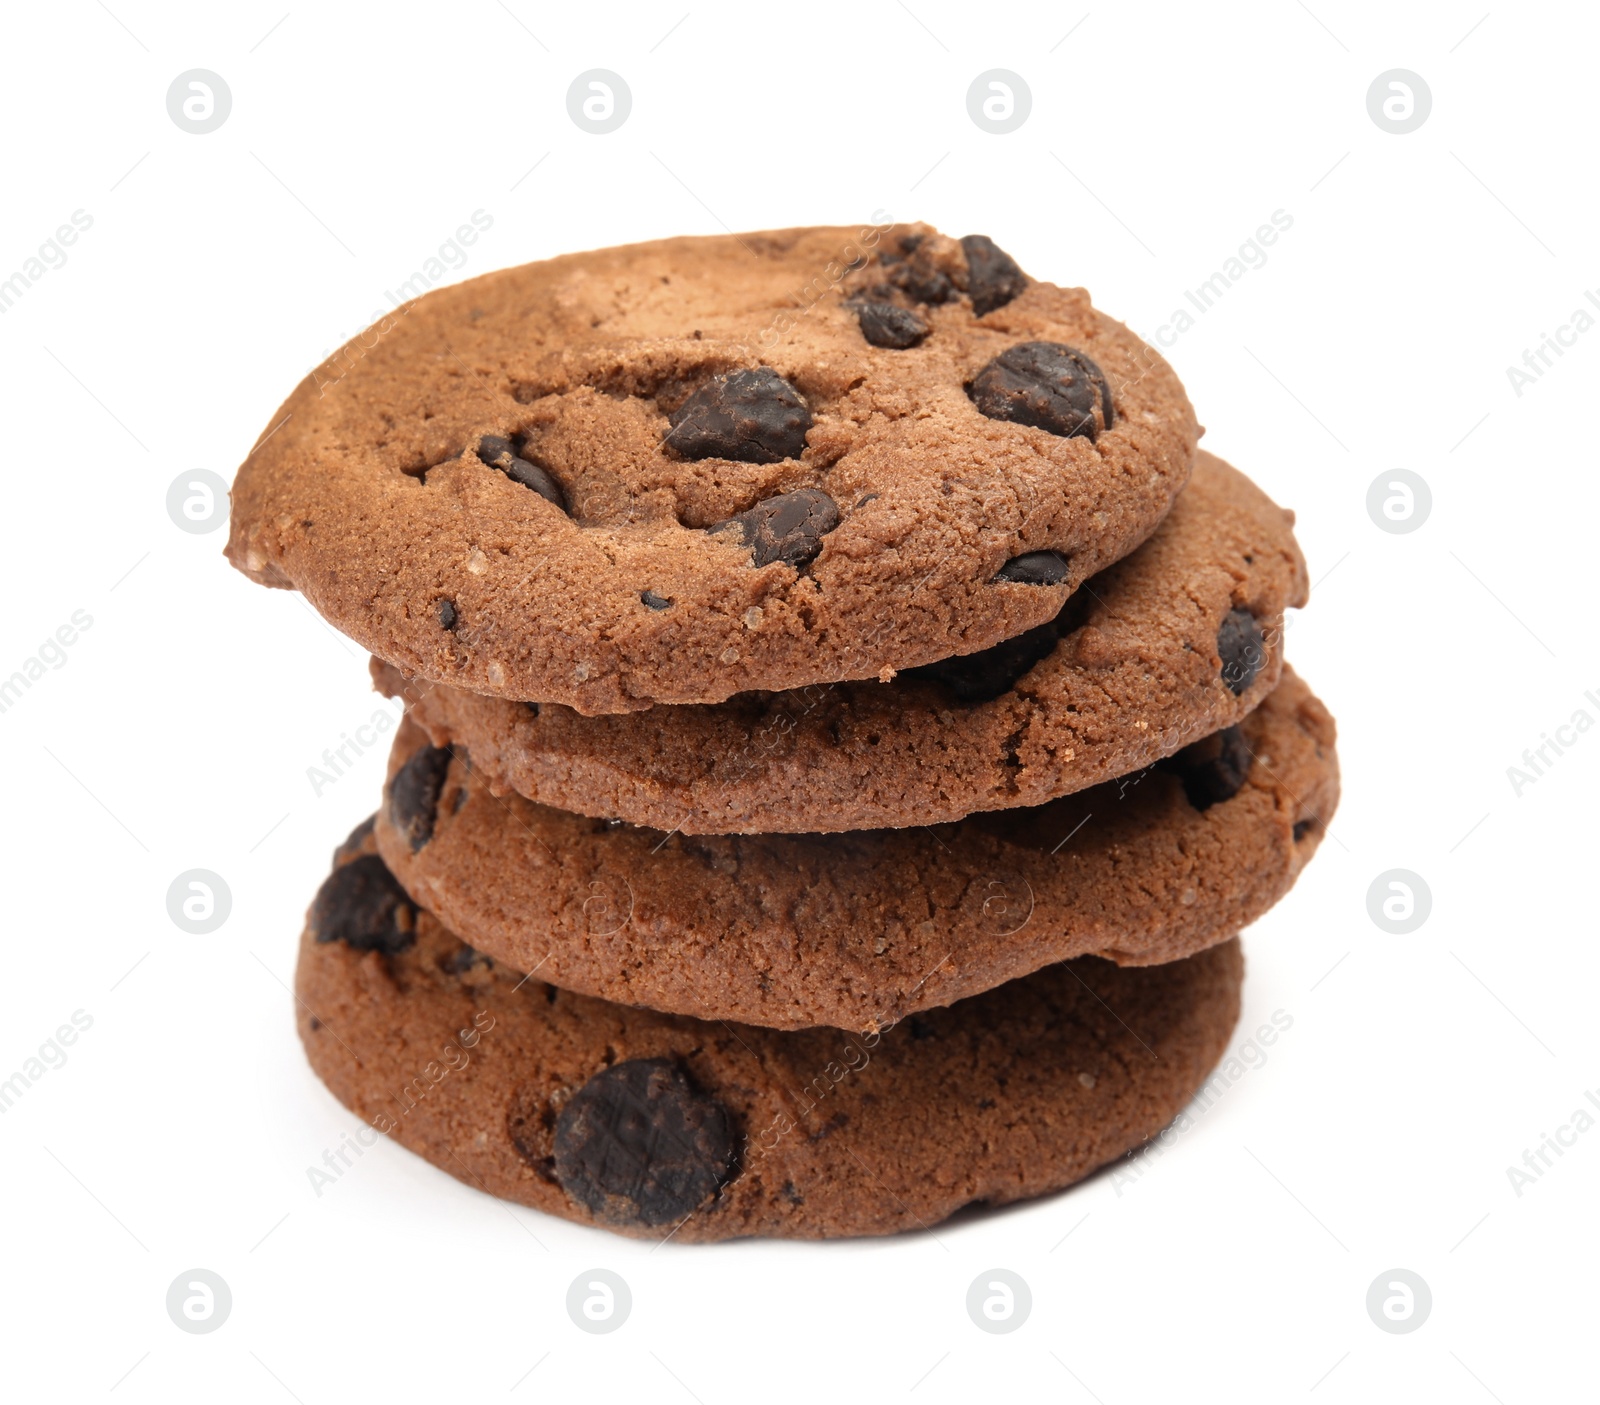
{"x":220,"y":268}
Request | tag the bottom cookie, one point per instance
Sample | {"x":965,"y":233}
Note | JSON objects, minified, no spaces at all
{"x":658,"y":1125}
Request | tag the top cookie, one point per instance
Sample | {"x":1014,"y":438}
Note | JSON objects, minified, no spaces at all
{"x":679,"y":470}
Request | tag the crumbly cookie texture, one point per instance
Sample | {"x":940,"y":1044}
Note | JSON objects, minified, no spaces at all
{"x":681,"y":470}
{"x":658,"y":1126}
{"x":859,"y":929}
{"x":1179,"y":639}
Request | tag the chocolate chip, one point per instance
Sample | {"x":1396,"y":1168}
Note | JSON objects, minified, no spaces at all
{"x":1213,"y":768}
{"x":463,"y":959}
{"x":639,"y":1144}
{"x":1034,"y":568}
{"x":356,"y":840}
{"x":993,"y":277}
{"x":361,"y":905}
{"x":499,"y":452}
{"x":984,"y":676}
{"x":787,"y":528}
{"x":496,"y":450}
{"x":447,"y":614}
{"x":1242,"y":648}
{"x":916,"y":274}
{"x":1303,"y":828}
{"x":928,"y":285}
{"x":753,"y":416}
{"x":414,"y":794}
{"x":654,"y":601}
{"x":1048,"y":385}
{"x":884,"y":324}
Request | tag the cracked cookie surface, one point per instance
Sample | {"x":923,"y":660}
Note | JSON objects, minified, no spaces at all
{"x":676,"y":471}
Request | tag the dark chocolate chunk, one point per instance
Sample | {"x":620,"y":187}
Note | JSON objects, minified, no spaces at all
{"x":1213,"y":768}
{"x":1048,"y":385}
{"x":1303,"y":828}
{"x":447,"y":614}
{"x":361,"y":905}
{"x":640,"y":1144}
{"x":463,"y":959}
{"x":414,"y":794}
{"x":927,"y":285}
{"x":915,"y":273}
{"x":356,"y":840}
{"x":499,"y":452}
{"x":984,"y":676}
{"x":993,"y":277}
{"x":788,"y":528}
{"x":753,"y":416}
{"x":654,"y":601}
{"x":1242,"y":648}
{"x":1034,"y":568}
{"x":496,"y":450}
{"x":884,"y":324}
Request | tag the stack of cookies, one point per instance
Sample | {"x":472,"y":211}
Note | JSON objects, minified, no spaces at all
{"x":846,"y":729}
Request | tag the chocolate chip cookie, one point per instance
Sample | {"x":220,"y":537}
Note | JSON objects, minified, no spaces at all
{"x":676,"y":471}
{"x":1179,"y":639}
{"x":660,"y":1126}
{"x":860,"y":929}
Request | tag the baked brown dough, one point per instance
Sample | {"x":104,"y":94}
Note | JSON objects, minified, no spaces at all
{"x":858,"y":930}
{"x":660,"y":1126}
{"x":1131,"y":671}
{"x":507,"y":484}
